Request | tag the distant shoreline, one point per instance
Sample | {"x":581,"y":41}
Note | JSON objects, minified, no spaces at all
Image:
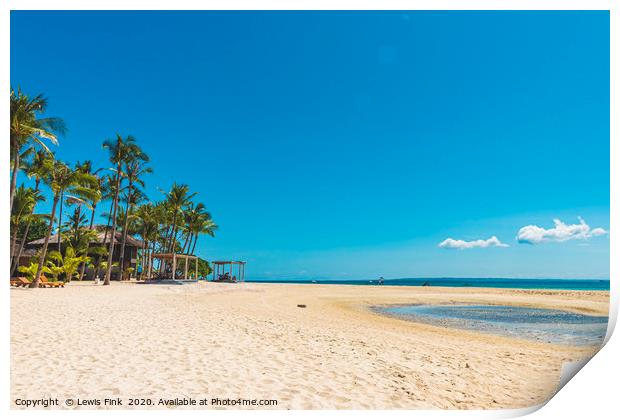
{"x":501,"y":283}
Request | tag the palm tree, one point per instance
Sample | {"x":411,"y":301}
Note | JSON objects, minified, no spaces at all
{"x":173,"y":224}
{"x":80,"y":194}
{"x":121,"y":150}
{"x":75,"y":223}
{"x":24,"y":202}
{"x":59,"y":177}
{"x":30,"y":219}
{"x":163,"y":219}
{"x":27,"y":129}
{"x":97,"y":187}
{"x":134,"y":170}
{"x":177,"y":198}
{"x":208,"y":227}
{"x":80,"y":239}
{"x":148,"y":228}
{"x":197,"y":221}
{"x":95,"y":198}
{"x":34,"y":169}
{"x":108,"y":190}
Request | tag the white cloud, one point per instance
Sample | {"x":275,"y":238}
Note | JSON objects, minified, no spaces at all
{"x":562,"y":232}
{"x":479,"y":243}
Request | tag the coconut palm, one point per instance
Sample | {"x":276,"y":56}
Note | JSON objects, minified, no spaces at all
{"x":174,"y":224}
{"x":59,"y":177}
{"x":121,"y":150}
{"x":74,"y":224}
{"x":197,"y":221}
{"x":177,"y":198}
{"x":24,"y":202}
{"x":98,"y":193}
{"x":207,"y":227}
{"x":163,"y":219}
{"x":81,"y":193}
{"x":79,"y":236}
{"x":35,"y":168}
{"x":148,"y":228}
{"x":134,"y":170}
{"x":108,"y":190}
{"x":38,"y":221}
{"x":27,"y":129}
{"x":97,"y":188}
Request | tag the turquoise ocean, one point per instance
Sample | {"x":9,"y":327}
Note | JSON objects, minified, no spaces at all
{"x":505,"y":283}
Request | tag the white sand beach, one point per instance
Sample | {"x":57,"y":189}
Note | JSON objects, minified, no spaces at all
{"x":252,"y":341}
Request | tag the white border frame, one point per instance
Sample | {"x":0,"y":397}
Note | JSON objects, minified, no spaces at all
{"x":596,"y":384}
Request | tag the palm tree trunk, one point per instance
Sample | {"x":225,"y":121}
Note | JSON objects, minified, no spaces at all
{"x":105,"y":235}
{"x":173,"y":242}
{"x":164,"y":244}
{"x":35,"y":281}
{"x":108,"y":274}
{"x":145,"y":247}
{"x":14,"y":242}
{"x":62,"y":199}
{"x":170,"y":247}
{"x":151,"y":252}
{"x":90,"y":227}
{"x":14,"y":178}
{"x":15,"y":263}
{"x":125,"y":224}
{"x":172,"y":233}
{"x":186,"y":243}
{"x":195,"y":241}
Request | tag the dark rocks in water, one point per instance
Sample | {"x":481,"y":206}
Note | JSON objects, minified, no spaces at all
{"x":426,"y":283}
{"x":301,"y":306}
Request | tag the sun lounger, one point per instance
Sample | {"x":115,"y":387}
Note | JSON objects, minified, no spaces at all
{"x":44,"y":282}
{"x":20,"y":282}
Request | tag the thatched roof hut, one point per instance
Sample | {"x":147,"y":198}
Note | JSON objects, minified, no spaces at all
{"x":118,"y":237}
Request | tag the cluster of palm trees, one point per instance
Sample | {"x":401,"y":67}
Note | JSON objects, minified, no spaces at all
{"x":173,"y":224}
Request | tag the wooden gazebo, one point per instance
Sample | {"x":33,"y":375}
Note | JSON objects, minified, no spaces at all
{"x":220,"y":274}
{"x":163,"y":257}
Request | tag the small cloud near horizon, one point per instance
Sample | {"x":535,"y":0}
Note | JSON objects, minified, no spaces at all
{"x":561,"y":232}
{"x":492,"y":242}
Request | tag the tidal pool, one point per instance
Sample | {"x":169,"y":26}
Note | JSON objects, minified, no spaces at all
{"x":544,"y":325}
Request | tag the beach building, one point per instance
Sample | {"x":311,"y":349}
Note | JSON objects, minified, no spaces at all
{"x":132,"y":246}
{"x":25,"y":257}
{"x":168,"y":266}
{"x":224,"y":271}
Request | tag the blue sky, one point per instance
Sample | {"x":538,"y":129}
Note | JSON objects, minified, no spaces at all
{"x":349,"y":144}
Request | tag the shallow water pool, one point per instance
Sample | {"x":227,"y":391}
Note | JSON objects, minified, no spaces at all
{"x":544,"y":325}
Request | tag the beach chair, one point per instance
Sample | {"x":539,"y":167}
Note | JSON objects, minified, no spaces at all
{"x":45,"y":282}
{"x":20,"y":282}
